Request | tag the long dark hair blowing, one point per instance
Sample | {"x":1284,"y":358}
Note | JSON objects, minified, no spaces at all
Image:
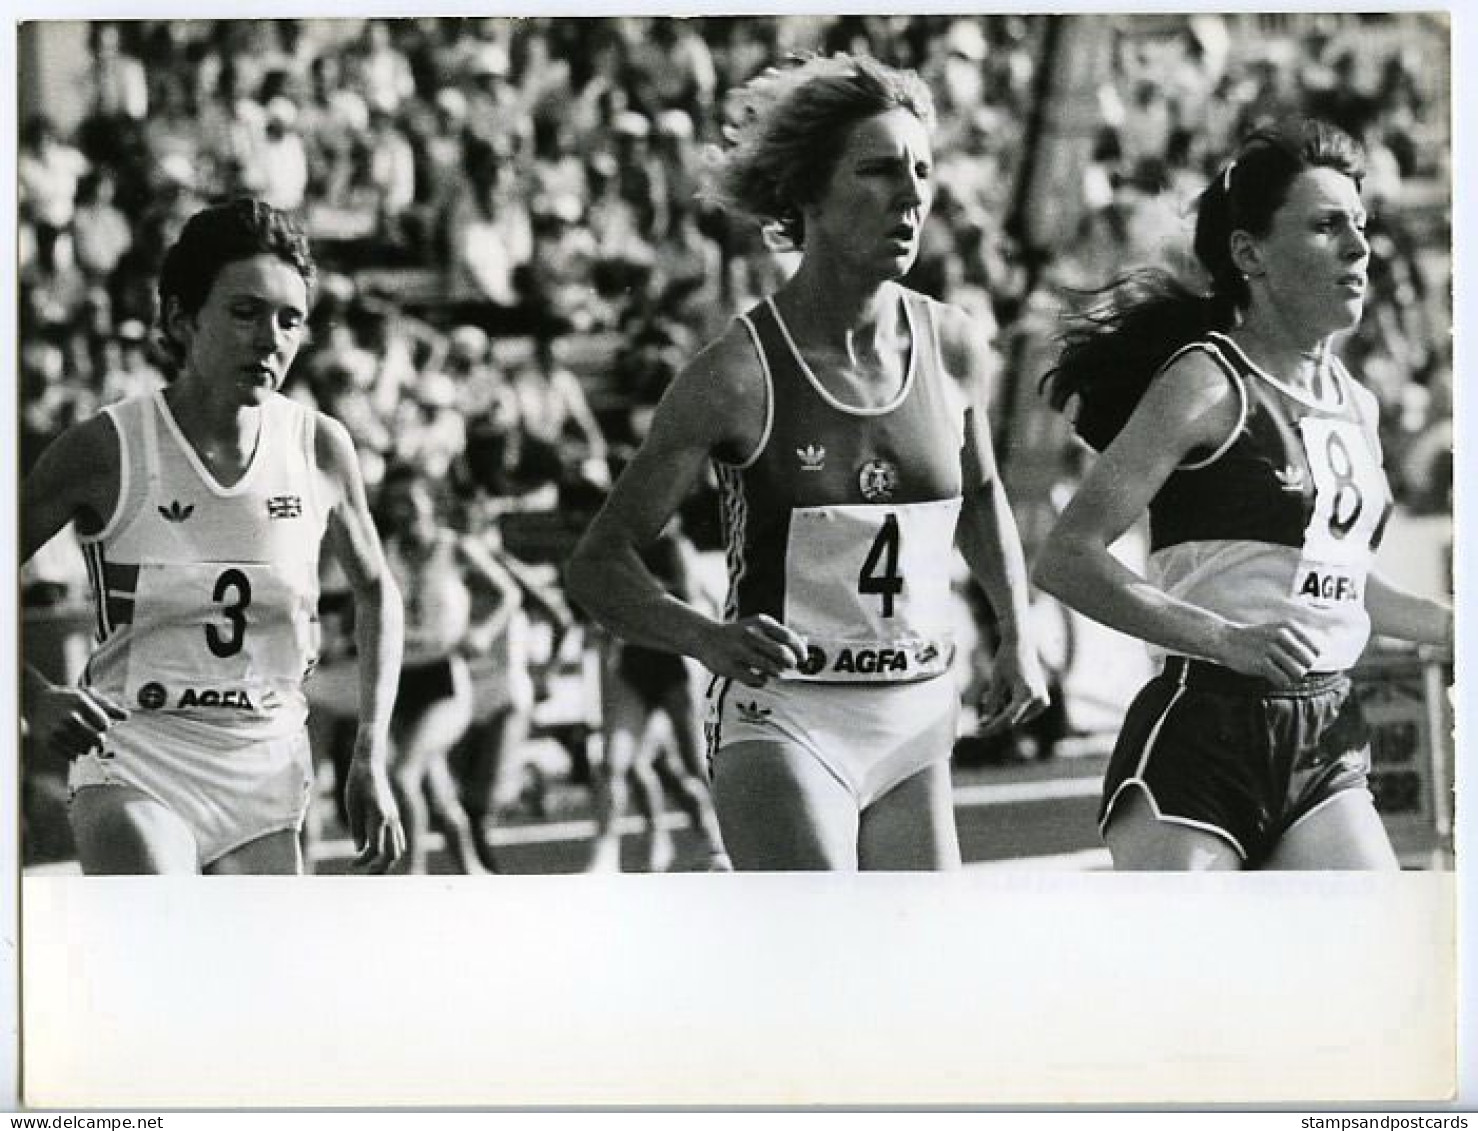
{"x":1112,"y":351}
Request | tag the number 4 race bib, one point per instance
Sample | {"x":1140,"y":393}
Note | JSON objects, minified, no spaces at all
{"x":868,"y":587}
{"x":1350,"y":503}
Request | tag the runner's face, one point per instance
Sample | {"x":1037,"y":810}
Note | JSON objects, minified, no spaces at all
{"x":247,"y":332}
{"x":879,"y":195}
{"x":1315,"y":256}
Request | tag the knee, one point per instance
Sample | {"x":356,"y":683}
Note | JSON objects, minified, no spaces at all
{"x":122,"y":834}
{"x":408,"y":778}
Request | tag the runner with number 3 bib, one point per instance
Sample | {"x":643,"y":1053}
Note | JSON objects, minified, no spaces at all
{"x":843,"y":417}
{"x":200,"y":510}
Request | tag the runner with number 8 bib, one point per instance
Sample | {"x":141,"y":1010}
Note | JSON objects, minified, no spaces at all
{"x":843,"y":416}
{"x":1231,"y":420}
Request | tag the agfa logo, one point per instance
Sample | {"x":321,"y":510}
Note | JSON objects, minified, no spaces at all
{"x":152,"y":696}
{"x":1337,"y":587}
{"x":814,"y":663}
{"x":215,"y":697}
{"x":877,"y":480}
{"x":871,"y":661}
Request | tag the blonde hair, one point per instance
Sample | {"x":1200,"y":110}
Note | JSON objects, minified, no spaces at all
{"x":790,"y":126}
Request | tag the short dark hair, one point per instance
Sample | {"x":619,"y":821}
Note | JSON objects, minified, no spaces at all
{"x":219,"y":235}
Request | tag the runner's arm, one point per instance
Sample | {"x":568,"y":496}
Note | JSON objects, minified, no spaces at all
{"x":379,"y":629}
{"x":715,"y":404}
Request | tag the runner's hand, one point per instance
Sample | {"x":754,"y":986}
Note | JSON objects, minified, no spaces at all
{"x":70,"y":720}
{"x":1278,"y":651}
{"x":752,"y":650}
{"x":374,"y":818}
{"x":1018,"y":689}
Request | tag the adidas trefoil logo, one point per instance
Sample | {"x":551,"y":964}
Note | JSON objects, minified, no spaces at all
{"x":812,"y":456}
{"x":1291,"y":478}
{"x":753,"y":713}
{"x":177,"y":513}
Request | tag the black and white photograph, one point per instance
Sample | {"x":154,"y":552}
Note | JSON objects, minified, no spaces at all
{"x":665,"y":560}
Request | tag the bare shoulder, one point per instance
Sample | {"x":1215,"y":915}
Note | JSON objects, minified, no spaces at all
{"x":1193,"y":402}
{"x":77,"y":478}
{"x":1196,"y":381}
{"x":91,"y":447}
{"x":333,"y":449}
{"x":337,"y":462}
{"x":719,"y":397}
{"x":964,"y":341}
{"x":728,"y":367}
{"x":82,"y":464}
{"x":957,"y":328}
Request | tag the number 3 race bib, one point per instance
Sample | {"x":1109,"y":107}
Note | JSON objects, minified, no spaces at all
{"x":233,"y":636}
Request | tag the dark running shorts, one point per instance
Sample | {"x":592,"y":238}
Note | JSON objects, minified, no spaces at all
{"x":422,"y":686}
{"x":1226,"y":753}
{"x":651,"y":674}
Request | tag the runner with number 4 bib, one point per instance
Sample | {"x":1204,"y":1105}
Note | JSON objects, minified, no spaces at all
{"x":843,"y":415}
{"x":200,"y":511}
{"x":1229,"y":417}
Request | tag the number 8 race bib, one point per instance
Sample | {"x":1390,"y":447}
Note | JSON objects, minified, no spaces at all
{"x":1350,"y":503}
{"x":868,"y":587}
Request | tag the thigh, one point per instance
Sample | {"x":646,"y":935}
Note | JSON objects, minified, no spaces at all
{"x":122,"y":831}
{"x":687,"y":730}
{"x":276,"y":854}
{"x":432,"y":732}
{"x":1345,"y":833}
{"x":781,"y":810}
{"x":1140,"y":840}
{"x":912,"y":826}
{"x":624,"y":716}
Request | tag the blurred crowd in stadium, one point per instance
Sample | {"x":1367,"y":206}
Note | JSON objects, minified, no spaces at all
{"x":518,"y":257}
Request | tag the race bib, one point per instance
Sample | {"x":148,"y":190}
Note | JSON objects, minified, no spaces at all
{"x":1351,"y":500}
{"x":219,"y":636}
{"x":869,"y":589}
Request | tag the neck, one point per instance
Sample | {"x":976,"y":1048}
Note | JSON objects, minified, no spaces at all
{"x":210,"y":421}
{"x":831,"y":313}
{"x":1270,"y":342}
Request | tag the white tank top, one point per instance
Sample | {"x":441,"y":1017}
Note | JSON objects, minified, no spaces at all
{"x":205,"y":596}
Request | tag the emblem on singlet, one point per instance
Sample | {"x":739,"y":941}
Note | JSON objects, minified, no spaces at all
{"x":812,"y":457}
{"x":176,"y":511}
{"x":813,"y":663}
{"x":152,"y":696}
{"x":877,"y":480}
{"x":285,"y":506}
{"x":753,"y":714}
{"x":1290,"y":478}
